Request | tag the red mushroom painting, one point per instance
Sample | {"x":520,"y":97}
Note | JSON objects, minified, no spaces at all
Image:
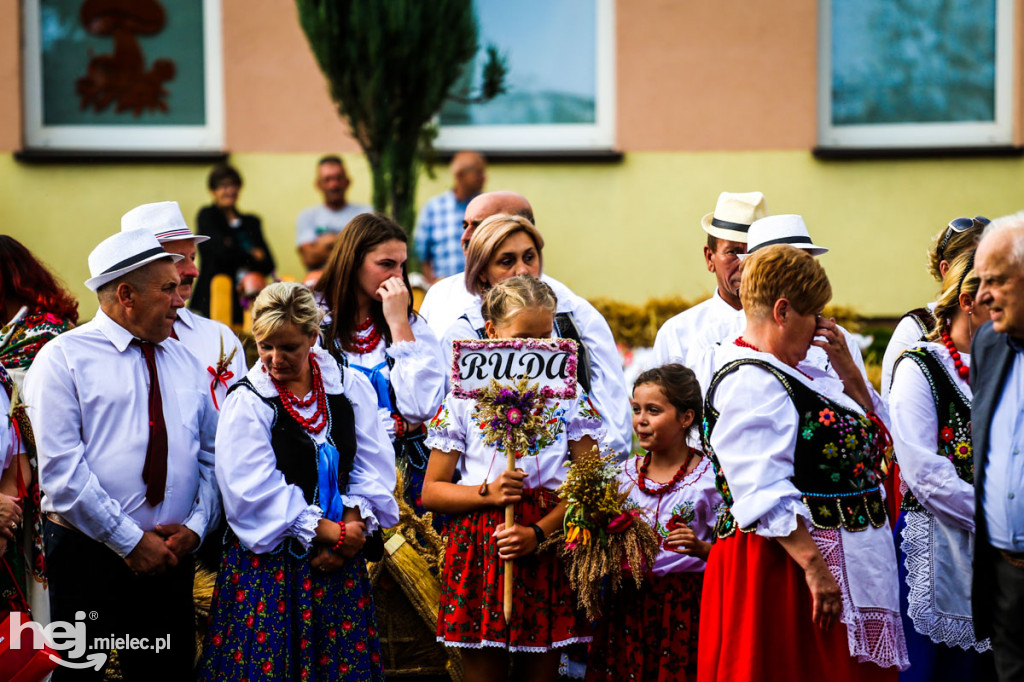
{"x":121,"y":78}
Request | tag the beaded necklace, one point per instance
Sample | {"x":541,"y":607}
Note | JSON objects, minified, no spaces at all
{"x":364,"y":345}
{"x":743,"y":343}
{"x":963,"y":370}
{"x":665,"y":487}
{"x":292,"y":403}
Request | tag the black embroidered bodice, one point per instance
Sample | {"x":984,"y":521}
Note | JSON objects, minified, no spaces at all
{"x":836,"y":465}
{"x":953,"y":410}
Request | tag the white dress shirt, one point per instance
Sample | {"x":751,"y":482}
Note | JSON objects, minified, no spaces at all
{"x":210,"y":341}
{"x":444,"y":302}
{"x":261,"y":507}
{"x":607,"y":383}
{"x":88,"y":398}
{"x":456,"y":429}
{"x":683,"y":338}
{"x":755,"y":442}
{"x":417,"y":379}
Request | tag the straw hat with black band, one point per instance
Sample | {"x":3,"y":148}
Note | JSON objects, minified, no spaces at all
{"x":733,"y":215}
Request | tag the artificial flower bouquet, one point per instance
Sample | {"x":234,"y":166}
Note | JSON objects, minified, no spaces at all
{"x":603,"y":538}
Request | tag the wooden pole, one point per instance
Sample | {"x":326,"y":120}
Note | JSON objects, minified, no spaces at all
{"x":510,"y":520}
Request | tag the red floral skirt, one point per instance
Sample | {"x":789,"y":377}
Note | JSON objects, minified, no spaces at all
{"x":544,"y":614}
{"x":648,"y":633}
{"x":755,"y":621}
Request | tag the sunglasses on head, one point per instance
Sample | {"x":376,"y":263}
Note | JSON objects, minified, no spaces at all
{"x":958,"y":226}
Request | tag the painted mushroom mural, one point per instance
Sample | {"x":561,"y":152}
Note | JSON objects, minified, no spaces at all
{"x":121,"y":78}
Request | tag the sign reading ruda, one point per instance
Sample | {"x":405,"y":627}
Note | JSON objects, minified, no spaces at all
{"x":549,"y":363}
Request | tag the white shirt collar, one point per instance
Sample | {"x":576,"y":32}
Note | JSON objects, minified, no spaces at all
{"x":186,"y":317}
{"x":329,"y":371}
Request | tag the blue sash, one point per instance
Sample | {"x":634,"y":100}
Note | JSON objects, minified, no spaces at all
{"x":327,"y":477}
{"x":380,"y":384}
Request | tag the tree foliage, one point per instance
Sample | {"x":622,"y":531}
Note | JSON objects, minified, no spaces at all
{"x":390,"y":64}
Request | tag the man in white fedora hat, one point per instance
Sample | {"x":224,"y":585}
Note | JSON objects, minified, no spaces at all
{"x":216,"y":347}
{"x":791,"y":230}
{"x":125,"y":435}
{"x":684,"y":337}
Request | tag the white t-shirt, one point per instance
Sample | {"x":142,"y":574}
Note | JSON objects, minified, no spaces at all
{"x":319,"y":219}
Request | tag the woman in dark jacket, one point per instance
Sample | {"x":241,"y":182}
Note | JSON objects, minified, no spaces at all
{"x":236,"y":246}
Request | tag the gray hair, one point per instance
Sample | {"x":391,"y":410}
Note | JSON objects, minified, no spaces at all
{"x":1013,"y":226}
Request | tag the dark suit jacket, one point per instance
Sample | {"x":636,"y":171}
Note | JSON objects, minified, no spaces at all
{"x":991,"y":359}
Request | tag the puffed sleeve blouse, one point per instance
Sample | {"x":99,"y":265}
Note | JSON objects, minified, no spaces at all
{"x":261,"y":507}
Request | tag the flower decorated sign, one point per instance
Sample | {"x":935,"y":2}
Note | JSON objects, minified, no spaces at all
{"x":547,"y":364}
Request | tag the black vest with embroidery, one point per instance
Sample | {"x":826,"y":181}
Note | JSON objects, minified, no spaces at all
{"x":296,"y":451}
{"x":836,"y":465}
{"x":953,"y":410}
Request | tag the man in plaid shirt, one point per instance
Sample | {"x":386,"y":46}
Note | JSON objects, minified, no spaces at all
{"x":439,"y":227}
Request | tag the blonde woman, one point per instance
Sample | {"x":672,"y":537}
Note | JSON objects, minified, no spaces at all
{"x":306,"y":473}
{"x":930,"y":406}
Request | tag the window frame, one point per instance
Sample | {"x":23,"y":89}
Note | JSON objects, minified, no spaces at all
{"x":951,"y":135}
{"x":599,"y":135}
{"x":37,"y":136}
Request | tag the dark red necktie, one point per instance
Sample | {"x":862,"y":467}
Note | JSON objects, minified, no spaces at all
{"x":154,"y":472}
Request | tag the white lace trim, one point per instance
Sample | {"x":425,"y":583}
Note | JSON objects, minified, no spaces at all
{"x":781,"y":520}
{"x":303,"y":528}
{"x":365,"y":508}
{"x":874,"y":634}
{"x":437,"y":441}
{"x":403,"y":349}
{"x":941,"y":628}
{"x":525,"y":649}
{"x":577,"y":429}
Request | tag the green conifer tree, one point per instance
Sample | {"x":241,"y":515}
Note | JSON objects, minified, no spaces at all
{"x":390,"y":65}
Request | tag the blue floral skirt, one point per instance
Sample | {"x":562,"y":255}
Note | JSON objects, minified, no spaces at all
{"x":275,"y":618}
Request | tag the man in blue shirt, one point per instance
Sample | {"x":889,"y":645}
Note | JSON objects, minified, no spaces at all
{"x":439,"y":227}
{"x":997,"y":415}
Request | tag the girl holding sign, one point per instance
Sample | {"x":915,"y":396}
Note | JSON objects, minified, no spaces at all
{"x":371,"y":327}
{"x":544,"y":617}
{"x":650,"y":633}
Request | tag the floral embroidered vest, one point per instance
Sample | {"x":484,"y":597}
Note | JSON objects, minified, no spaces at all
{"x":836,"y":466}
{"x":954,"y":416}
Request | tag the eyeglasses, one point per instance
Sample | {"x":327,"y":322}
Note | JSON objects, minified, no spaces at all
{"x":959,"y":226}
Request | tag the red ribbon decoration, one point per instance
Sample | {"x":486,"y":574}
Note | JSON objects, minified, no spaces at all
{"x":221,"y":374}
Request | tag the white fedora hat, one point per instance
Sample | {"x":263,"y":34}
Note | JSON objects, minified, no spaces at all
{"x":733,"y":215}
{"x":163,"y":219}
{"x":123,"y":252}
{"x":781,"y":229}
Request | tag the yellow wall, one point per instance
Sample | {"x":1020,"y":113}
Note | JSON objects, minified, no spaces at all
{"x":627,"y":231}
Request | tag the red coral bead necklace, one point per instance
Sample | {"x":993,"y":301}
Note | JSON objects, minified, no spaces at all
{"x":318,"y":420}
{"x":642,"y":479}
{"x":365,"y":344}
{"x":963,"y":370}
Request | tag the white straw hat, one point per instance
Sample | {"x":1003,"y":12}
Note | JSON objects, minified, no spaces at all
{"x":781,"y":229}
{"x":123,"y":252}
{"x":733,"y":215}
{"x":163,"y":219}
